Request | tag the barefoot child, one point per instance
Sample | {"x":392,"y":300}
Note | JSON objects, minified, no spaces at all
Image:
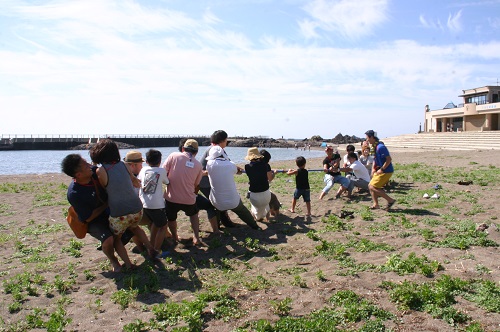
{"x":151,"y":194}
{"x":301,"y":184}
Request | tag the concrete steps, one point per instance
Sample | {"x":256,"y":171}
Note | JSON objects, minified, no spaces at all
{"x":489,"y":140}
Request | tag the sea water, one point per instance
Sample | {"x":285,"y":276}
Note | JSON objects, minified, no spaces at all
{"x":49,"y":161}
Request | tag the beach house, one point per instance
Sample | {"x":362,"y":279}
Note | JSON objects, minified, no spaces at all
{"x":479,"y":112}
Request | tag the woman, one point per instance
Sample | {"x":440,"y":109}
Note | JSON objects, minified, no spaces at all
{"x":259,"y":174}
{"x":367,"y":160}
{"x":124,"y":204}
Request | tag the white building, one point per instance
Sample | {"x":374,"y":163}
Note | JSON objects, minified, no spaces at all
{"x":479,"y":112}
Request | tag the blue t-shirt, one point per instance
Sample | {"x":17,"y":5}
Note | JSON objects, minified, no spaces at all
{"x":380,"y":156}
{"x":84,"y":199}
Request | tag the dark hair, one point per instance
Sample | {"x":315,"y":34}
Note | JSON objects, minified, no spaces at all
{"x":352,"y":155}
{"x":181,"y":143}
{"x":350,"y":148}
{"x":153,"y":157}
{"x":105,"y":152}
{"x":300,"y":161}
{"x":267,"y":155}
{"x":70,"y":165}
{"x":359,"y":152}
{"x":218,"y":136}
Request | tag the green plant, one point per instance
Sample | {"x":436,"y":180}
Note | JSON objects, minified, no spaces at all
{"x":298,"y":281}
{"x":281,"y":308}
{"x":412,"y":264}
{"x":73,"y":249}
{"x":321,"y":275}
{"x":435,"y":297}
{"x":124,"y":297}
{"x":88,"y":275}
{"x":258,"y":283}
{"x":367,"y":214}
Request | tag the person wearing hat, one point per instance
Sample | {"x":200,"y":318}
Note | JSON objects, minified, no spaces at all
{"x":381,"y":172}
{"x":134,"y":160}
{"x":224,"y":194}
{"x":331,"y":166}
{"x":184,"y":173}
{"x":259,"y":174}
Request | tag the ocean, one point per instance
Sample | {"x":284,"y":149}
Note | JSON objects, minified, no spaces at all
{"x":49,"y":161}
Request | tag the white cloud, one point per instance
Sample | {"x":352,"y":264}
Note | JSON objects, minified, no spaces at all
{"x":67,"y":65}
{"x":350,"y":19}
{"x":494,"y":22}
{"x":454,"y":23}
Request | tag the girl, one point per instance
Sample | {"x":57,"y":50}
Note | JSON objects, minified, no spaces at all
{"x":124,"y":203}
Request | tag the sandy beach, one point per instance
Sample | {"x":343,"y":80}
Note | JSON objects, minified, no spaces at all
{"x":293,"y":268}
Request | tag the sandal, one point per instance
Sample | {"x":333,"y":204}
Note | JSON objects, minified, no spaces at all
{"x":389,"y":205}
{"x":374,"y":207}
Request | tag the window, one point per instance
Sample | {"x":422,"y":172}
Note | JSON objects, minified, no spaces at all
{"x":477,"y":99}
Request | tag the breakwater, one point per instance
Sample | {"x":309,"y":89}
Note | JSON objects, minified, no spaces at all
{"x":65,"y":143}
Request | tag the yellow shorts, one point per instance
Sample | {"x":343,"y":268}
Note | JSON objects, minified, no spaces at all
{"x":380,"y":180}
{"x":119,"y":225}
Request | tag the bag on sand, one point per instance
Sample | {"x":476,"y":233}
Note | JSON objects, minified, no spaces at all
{"x":78,"y":227}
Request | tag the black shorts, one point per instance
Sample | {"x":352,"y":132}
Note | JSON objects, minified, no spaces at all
{"x":157,"y":216}
{"x":99,"y":229}
{"x":173,"y":208}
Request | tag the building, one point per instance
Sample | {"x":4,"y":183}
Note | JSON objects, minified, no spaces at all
{"x":479,"y":112}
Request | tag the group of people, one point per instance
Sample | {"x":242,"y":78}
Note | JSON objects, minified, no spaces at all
{"x":114,"y":197}
{"x":370,"y":169}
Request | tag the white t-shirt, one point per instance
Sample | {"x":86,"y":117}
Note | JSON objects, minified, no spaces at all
{"x":223,"y":194}
{"x":367,"y":161}
{"x":151,"y":191}
{"x":360,"y":171}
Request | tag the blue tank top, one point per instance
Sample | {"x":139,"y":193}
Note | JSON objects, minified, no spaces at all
{"x":122,"y":198}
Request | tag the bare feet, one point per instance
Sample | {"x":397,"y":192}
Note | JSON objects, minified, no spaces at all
{"x":199,"y":243}
{"x":292,"y":211}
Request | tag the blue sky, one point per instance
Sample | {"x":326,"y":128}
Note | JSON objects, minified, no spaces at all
{"x":289,"y":68}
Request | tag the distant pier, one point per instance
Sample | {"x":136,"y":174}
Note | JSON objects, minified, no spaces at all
{"x":61,"y":142}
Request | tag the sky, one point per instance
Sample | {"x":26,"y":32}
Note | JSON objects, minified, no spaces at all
{"x":290,"y":68}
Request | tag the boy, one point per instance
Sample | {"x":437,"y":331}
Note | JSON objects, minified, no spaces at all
{"x":151,"y":195}
{"x":360,"y":177}
{"x":301,"y":184}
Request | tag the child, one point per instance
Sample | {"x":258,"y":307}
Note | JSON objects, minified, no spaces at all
{"x":124,"y":204}
{"x":301,"y":184}
{"x":151,"y":195}
{"x":274,"y":203}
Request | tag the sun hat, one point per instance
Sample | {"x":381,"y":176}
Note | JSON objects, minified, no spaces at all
{"x":191,"y":144}
{"x":133,"y":157}
{"x":215,"y":152}
{"x":253,"y":153}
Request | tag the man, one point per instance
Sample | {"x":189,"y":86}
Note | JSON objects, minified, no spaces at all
{"x":90,"y":203}
{"x":381,"y":172}
{"x":360,"y":177}
{"x":223,"y":194}
{"x":134,"y":160}
{"x":218,"y":138}
{"x":184,"y":173}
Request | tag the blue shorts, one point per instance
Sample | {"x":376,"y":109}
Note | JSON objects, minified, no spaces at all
{"x":305,"y":193}
{"x":331,"y":180}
